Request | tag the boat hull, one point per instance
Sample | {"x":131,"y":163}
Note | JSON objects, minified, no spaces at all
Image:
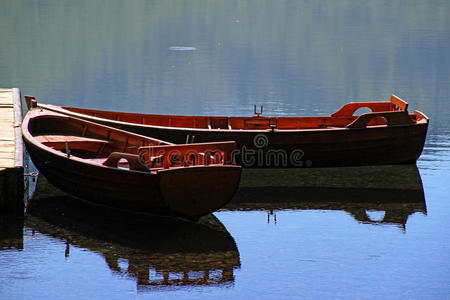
{"x":184,"y":191}
{"x":101,"y":185}
{"x":387,"y":135}
{"x":307,"y":148}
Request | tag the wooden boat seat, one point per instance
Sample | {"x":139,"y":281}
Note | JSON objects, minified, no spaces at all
{"x":188,"y":154}
{"x":97,"y":160}
{"x":50,"y":139}
{"x":134,"y":161}
{"x":399,"y":104}
{"x":123,"y":163}
{"x":391,"y":118}
{"x":257,"y":124}
{"x":395,"y":104}
{"x":75,"y":142}
{"x":218,"y":123}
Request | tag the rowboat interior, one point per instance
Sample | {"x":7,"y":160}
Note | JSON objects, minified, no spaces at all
{"x":393,"y":112}
{"x":115,"y":148}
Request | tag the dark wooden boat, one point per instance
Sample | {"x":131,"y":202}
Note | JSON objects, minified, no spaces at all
{"x":386,"y":135}
{"x":128,"y":171}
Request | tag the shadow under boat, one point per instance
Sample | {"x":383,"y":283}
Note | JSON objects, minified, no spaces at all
{"x":158,"y":250}
{"x":395,"y":190}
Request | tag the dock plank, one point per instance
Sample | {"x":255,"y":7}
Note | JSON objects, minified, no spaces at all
{"x":11,"y":152}
{"x":6,"y":163}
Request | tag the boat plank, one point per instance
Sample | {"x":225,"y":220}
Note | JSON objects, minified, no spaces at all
{"x":67,"y":138}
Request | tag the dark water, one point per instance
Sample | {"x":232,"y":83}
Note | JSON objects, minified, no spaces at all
{"x":379,"y":232}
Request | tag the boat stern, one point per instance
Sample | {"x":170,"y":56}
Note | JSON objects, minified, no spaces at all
{"x":195,"y":191}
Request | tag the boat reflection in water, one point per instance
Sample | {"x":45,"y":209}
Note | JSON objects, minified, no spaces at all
{"x":154,"y":250}
{"x":372,"y":195}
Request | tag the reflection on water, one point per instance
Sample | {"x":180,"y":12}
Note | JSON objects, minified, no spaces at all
{"x":11,"y":232}
{"x":365,"y":213}
{"x":155,"y":251}
{"x":371,"y":195}
{"x":176,"y":255}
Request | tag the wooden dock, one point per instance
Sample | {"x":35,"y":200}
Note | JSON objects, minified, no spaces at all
{"x":11,"y":152}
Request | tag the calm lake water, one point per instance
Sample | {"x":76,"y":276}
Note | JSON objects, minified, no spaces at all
{"x":380,"y":232}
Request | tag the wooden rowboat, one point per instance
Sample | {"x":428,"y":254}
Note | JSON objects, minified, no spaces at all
{"x":386,"y":135}
{"x":124,"y":170}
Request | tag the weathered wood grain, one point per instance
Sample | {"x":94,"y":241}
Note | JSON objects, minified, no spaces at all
{"x":11,"y":152}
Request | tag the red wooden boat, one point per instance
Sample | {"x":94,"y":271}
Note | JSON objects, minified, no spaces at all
{"x":386,"y":135}
{"x":128,"y":171}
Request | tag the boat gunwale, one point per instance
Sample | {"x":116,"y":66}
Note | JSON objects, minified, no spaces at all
{"x":33,"y":140}
{"x":424,"y":119}
{"x":64,"y":110}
